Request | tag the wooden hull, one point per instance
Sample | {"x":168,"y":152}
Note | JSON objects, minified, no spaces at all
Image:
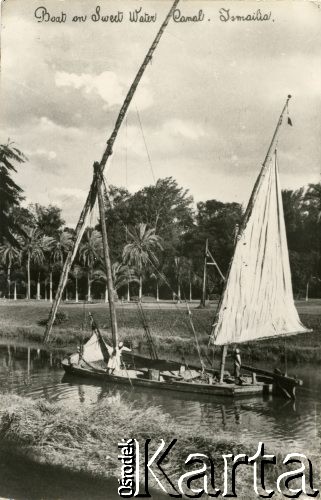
{"x":226,"y":390}
{"x":283,"y":386}
{"x":143,"y":362}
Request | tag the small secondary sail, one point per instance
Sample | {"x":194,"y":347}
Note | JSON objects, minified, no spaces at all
{"x":258,"y":298}
{"x":93,"y":350}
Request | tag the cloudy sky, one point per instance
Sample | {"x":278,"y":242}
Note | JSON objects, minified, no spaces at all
{"x":208,"y":103}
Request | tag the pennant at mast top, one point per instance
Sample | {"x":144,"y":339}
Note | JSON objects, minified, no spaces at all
{"x":257,"y":301}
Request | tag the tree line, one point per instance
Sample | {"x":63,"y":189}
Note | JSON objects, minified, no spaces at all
{"x":156,"y":237}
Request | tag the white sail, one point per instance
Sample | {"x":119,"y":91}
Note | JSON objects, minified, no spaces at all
{"x":258,"y":299}
{"x":91,"y":351}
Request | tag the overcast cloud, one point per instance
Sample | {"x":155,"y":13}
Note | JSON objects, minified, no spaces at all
{"x":208,"y":102}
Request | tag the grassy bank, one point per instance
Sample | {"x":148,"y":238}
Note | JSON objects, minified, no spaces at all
{"x":168,"y":323}
{"x":87,"y":440}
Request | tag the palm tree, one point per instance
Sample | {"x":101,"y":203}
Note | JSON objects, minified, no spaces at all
{"x":11,"y":193}
{"x":34,"y":248}
{"x":9,"y":254}
{"x":90,"y":252}
{"x":122,"y":275}
{"x":158,"y":280}
{"x":76,"y":273}
{"x":61,"y":247}
{"x":58,"y":247}
{"x":141,"y":251}
{"x":48,"y":244}
{"x":184,"y":276}
{"x":178,"y":271}
{"x":193,"y":279}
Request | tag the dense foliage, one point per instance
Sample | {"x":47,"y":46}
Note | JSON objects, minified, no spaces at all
{"x":157,"y":240}
{"x":10,"y":193}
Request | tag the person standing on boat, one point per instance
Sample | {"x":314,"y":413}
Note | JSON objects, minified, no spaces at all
{"x":237,"y":364}
{"x":114,"y":362}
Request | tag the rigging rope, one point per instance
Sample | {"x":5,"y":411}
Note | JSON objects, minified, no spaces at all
{"x":126,"y":157}
{"x":185,"y":301}
{"x":144,"y":139}
{"x":151,"y":343}
{"x":165,"y":280}
{"x":195,"y":336}
{"x":128,"y":332}
{"x":163,"y":277}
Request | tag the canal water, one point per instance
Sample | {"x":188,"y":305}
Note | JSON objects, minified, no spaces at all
{"x":296,"y":427}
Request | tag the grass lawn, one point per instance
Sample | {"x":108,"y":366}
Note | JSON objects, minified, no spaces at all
{"x":86,"y":440}
{"x":168,"y":322}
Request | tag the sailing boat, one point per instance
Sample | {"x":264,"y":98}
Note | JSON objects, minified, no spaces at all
{"x":93,"y":360}
{"x":257,"y":302}
{"x":231,"y":326}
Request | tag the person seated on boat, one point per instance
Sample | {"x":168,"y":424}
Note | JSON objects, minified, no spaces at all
{"x":114,"y":362}
{"x":80,"y":350}
{"x":237,"y":365}
{"x":76,"y":357}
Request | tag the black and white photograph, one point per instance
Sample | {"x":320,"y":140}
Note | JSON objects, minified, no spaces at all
{"x":160,"y":249}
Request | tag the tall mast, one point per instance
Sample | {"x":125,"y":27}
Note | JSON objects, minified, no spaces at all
{"x":92,"y":195}
{"x":252,"y":199}
{"x":203,"y":299}
{"x":245,"y":221}
{"x":264,"y":166}
{"x":112,"y":310}
{"x":208,"y":255}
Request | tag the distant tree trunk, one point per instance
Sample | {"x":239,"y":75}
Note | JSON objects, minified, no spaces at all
{"x":76,"y":297}
{"x":106,"y":293}
{"x":50,"y":287}
{"x":28,"y":277}
{"x":178,"y":292}
{"x":66,"y":294}
{"x":38,"y":287}
{"x":15,"y":291}
{"x":140,"y":293}
{"x":157,"y":291}
{"x":190,"y":291}
{"x":128,"y":292}
{"x":9,"y":281}
{"x":307,"y":293}
{"x":89,"y":288}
